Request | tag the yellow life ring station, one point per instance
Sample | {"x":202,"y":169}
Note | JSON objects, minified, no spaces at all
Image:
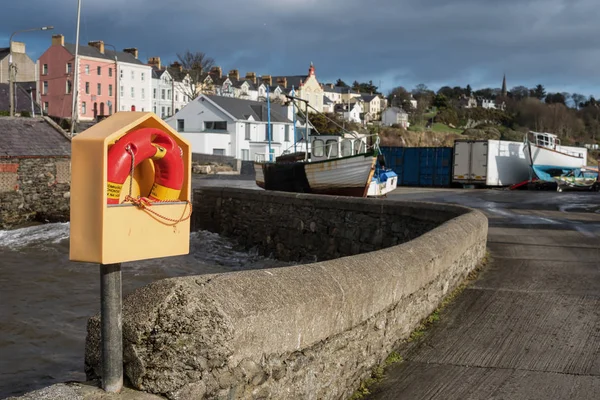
{"x":138,"y":223}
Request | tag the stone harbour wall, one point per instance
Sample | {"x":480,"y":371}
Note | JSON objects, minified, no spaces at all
{"x":34,"y":189}
{"x":311,"y":331}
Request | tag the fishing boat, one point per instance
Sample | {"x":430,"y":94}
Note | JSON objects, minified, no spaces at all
{"x":384,"y":179}
{"x":334,"y":165}
{"x":585,"y":178}
{"x":547,"y":158}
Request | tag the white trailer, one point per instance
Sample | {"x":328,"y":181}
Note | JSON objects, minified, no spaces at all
{"x":489,"y":163}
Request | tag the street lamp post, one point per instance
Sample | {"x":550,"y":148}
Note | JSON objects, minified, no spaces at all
{"x":117,"y":92}
{"x":12,"y":67}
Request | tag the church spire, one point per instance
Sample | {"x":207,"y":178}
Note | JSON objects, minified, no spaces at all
{"x":504,"y":91}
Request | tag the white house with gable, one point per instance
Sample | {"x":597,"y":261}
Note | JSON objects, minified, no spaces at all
{"x":234,"y":127}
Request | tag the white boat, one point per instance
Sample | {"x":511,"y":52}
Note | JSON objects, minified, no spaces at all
{"x":548,"y":158}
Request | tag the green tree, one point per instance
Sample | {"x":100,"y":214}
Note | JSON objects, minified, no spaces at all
{"x":519,"y":92}
{"x":578,"y":100}
{"x":365,"y":87}
{"x":469,"y":90}
{"x":440,"y":101}
{"x":340,"y":83}
{"x":399,"y":97}
{"x":555,"y":98}
{"x":539,"y":92}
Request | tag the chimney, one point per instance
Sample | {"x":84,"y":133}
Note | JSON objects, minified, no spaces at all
{"x":251,"y":76}
{"x":234,"y":74}
{"x":177,"y":66}
{"x":154,"y":62}
{"x":132,"y":50}
{"x":58,"y":40}
{"x":99,"y":44}
{"x":216,"y":71}
{"x":282,"y":81}
{"x":267,"y":80}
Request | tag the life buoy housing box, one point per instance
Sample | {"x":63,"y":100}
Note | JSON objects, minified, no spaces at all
{"x":130,"y":190}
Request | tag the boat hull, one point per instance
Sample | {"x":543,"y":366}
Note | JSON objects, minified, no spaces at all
{"x":546,"y":163}
{"x":345,"y":176}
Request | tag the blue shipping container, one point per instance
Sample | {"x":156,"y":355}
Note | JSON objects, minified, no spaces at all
{"x":420,"y":166}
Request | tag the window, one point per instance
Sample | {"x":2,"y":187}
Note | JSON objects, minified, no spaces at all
{"x":168,"y":110}
{"x":110,"y":90}
{"x":132,"y":92}
{"x":162,"y":112}
{"x":122,"y":91}
{"x":219,"y":152}
{"x":162,"y":94}
{"x":346,"y":148}
{"x":69,"y":68}
{"x":110,"y":72}
{"x":87,"y":69}
{"x":132,"y":75}
{"x":121,"y":74}
{"x":45,"y":90}
{"x":154,"y":109}
{"x":83,"y":108}
{"x":69,"y":87}
{"x":143,"y":93}
{"x":176,"y":96}
{"x":215,"y":125}
{"x":45,"y":69}
{"x":169,"y":94}
{"x":99,"y":69}
{"x":99,"y":89}
{"x":245,"y":154}
{"x":287,"y":133}
{"x":87,"y":88}
{"x":153,"y":93}
{"x":180,"y":125}
{"x":46,"y":106}
{"x":268,"y":130}
{"x":248,"y":128}
{"x":317,"y":148}
{"x":359,"y":146}
{"x":143,"y":76}
{"x":332,"y":148}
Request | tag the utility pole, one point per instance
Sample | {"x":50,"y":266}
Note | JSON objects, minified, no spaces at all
{"x":12,"y":67}
{"x":117,"y":90}
{"x":74,"y":111}
{"x":173,"y":94}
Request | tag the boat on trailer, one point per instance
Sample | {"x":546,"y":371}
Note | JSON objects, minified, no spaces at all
{"x":548,"y":158}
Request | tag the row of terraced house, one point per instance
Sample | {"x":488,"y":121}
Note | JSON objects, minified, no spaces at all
{"x":110,"y":80}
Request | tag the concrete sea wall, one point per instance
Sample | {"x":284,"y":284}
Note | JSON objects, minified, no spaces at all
{"x":311,"y":331}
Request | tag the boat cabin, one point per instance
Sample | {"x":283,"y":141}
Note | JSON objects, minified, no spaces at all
{"x":547,"y":140}
{"x":324,"y":147}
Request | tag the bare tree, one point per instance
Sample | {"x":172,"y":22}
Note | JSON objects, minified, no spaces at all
{"x":194,"y":65}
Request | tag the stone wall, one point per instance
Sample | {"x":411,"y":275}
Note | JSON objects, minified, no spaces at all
{"x":34,"y":189}
{"x":202,"y":158}
{"x":310,"y":331}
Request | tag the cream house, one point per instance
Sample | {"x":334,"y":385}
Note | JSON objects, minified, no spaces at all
{"x":306,"y":87}
{"x":371,"y":104}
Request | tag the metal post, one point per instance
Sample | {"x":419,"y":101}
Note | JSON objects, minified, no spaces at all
{"x":294,"y":117}
{"x":111,"y":314}
{"x":269,"y":123}
{"x":307,"y":135}
{"x":75,"y":87}
{"x":11,"y":89}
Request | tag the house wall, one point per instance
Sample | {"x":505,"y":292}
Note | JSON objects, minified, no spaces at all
{"x":25,"y":65}
{"x":34,"y":189}
{"x":58,"y":101}
{"x":160,"y":106}
{"x":312,"y":91}
{"x":141,"y":82}
{"x":93,"y":100}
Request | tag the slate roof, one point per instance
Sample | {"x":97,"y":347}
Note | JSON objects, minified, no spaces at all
{"x":293,"y":80}
{"x":337,"y":89}
{"x":238,"y":83}
{"x":23,"y":97}
{"x":243,"y":109}
{"x":31,"y":137}
{"x":326,"y":100}
{"x":91,"y":51}
{"x":367,"y":97}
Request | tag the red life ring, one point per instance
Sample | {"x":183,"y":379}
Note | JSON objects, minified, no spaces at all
{"x":146,"y":143}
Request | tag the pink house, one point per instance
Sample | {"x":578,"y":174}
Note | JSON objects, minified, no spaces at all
{"x":97,"y":78}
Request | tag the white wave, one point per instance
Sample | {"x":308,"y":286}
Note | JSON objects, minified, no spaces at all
{"x":46,"y":233}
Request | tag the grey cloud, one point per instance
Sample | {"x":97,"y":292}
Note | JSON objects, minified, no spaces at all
{"x":400,"y":42}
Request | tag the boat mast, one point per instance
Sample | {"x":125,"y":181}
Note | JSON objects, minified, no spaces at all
{"x":75,"y":89}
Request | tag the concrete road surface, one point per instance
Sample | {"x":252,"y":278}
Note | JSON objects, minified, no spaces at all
{"x":529,"y":327}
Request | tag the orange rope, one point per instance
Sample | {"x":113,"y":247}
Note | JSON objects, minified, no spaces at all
{"x":144,"y":203}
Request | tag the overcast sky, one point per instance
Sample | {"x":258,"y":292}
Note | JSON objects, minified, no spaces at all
{"x":392,"y":42}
